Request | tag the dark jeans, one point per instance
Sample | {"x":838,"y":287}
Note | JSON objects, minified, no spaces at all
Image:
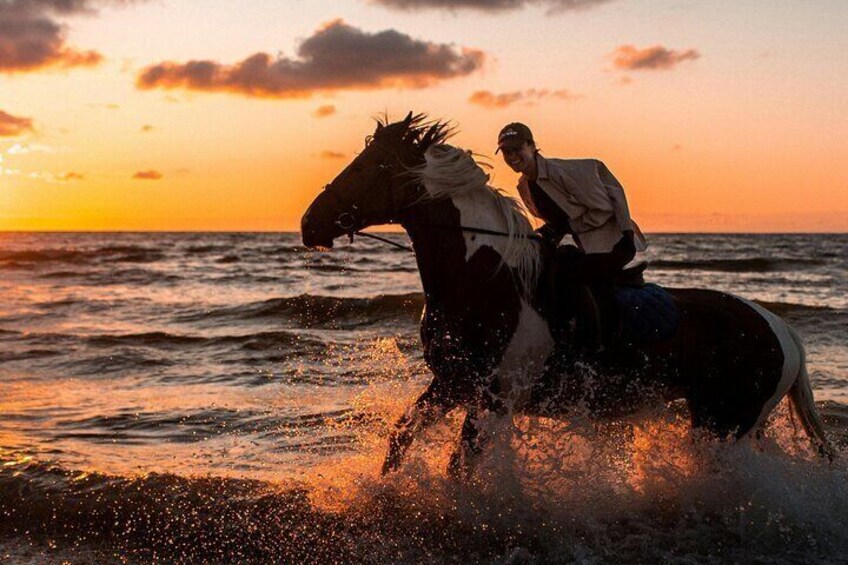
{"x":575,"y":273}
{"x":576,"y":267}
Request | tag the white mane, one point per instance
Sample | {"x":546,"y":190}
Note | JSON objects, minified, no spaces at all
{"x":450,"y":172}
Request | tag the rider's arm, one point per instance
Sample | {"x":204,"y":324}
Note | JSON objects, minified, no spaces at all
{"x":617,"y":198}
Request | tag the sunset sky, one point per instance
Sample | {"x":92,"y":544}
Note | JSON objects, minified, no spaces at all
{"x":220,"y":115}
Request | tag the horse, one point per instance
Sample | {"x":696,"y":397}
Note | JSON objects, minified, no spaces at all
{"x":487,"y":338}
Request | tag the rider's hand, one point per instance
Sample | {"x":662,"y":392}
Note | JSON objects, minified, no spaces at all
{"x":548,"y":235}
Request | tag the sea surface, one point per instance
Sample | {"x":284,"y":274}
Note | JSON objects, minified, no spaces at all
{"x":226,"y":397}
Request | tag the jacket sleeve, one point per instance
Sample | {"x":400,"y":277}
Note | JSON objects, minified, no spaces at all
{"x":616,"y":196}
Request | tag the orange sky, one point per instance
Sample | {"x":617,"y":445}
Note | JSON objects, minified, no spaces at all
{"x":717,"y":116}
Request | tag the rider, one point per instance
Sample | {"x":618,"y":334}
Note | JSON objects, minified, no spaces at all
{"x":583,"y":198}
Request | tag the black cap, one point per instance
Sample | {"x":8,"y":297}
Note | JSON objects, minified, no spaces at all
{"x":513,"y":136}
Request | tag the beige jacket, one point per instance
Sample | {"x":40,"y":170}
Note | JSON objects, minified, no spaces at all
{"x":591,"y":196}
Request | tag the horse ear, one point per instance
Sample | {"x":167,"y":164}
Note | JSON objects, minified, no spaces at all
{"x":379,"y":127}
{"x":408,"y":119}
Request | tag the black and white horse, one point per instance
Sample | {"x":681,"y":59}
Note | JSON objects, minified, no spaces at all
{"x":487,"y":341}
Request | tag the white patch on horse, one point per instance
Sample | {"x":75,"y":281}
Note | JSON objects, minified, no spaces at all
{"x":476,"y":210}
{"x":525,"y":356}
{"x":791,"y":358}
{"x":450,"y":172}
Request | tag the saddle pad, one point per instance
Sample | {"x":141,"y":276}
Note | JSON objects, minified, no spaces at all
{"x":648,"y":313}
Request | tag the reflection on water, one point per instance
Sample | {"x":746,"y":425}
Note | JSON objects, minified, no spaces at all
{"x":203,"y":395}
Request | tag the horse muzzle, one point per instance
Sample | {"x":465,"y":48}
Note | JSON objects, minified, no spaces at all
{"x":318,"y":226}
{"x":314,"y":234}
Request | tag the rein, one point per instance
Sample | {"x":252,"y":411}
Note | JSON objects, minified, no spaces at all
{"x":348,"y":221}
{"x":485,"y":231}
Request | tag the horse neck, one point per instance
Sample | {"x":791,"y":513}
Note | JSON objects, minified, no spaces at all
{"x":452,"y":262}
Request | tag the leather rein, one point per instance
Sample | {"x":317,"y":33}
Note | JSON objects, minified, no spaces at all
{"x":347,"y":220}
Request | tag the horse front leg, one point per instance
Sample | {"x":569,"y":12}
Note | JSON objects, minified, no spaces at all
{"x":464,"y":458}
{"x":477,"y":428}
{"x":429,"y":408}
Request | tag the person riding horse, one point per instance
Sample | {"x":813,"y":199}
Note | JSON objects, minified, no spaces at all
{"x":580,"y":197}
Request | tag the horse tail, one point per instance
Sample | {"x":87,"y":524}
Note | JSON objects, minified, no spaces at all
{"x":801,"y":398}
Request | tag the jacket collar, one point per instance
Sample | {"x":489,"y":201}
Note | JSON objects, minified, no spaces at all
{"x":541,"y":166}
{"x":541,"y":170}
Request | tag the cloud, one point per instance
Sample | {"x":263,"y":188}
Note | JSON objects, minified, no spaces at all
{"x":147,"y":128}
{"x":11,"y":126}
{"x":147,"y":175}
{"x":332,"y":155}
{"x":336,"y":57}
{"x":324,"y":111}
{"x":31,"y":38}
{"x":493,"y":6}
{"x":70,"y":176}
{"x":628,"y":57}
{"x":26,"y":148}
{"x":489,"y":99}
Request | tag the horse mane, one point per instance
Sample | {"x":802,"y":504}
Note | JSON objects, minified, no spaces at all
{"x":451,"y":172}
{"x":416,"y":133}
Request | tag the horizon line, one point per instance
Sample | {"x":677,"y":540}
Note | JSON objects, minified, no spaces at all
{"x":659,"y":232}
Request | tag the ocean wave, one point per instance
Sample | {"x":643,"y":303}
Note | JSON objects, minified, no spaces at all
{"x":155,"y":428}
{"x":753,"y":265}
{"x":308,"y":310}
{"x":260,"y":341}
{"x":109,"y":254}
{"x":781,"y":308}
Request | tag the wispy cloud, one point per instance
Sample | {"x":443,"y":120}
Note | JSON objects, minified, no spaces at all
{"x":26,"y":148}
{"x":553,"y":6}
{"x":657,"y":57}
{"x":32,"y":36}
{"x":11,"y":126}
{"x":70,"y":176}
{"x":324,"y":111}
{"x":338,"y":56}
{"x":489,"y":99}
{"x":332,"y":155}
{"x":149,"y":174}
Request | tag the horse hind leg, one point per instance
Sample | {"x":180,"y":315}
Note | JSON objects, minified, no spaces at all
{"x":801,"y":398}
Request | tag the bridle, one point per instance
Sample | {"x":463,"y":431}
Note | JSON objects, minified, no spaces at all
{"x":351,"y":226}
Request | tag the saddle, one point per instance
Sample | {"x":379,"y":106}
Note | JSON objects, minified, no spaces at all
{"x":597,"y":314}
{"x":597,"y":317}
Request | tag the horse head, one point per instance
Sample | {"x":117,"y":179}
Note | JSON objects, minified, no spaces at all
{"x":370,"y":191}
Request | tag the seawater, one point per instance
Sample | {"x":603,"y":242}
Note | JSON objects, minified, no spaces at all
{"x":206,"y":397}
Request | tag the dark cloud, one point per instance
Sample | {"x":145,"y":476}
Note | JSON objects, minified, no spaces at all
{"x":13,"y":125}
{"x":489,"y":99}
{"x":31,"y":38}
{"x":324,"y":111}
{"x":553,"y":6}
{"x":332,"y":155}
{"x":147,"y":175}
{"x":338,"y":56}
{"x":630,"y":58}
